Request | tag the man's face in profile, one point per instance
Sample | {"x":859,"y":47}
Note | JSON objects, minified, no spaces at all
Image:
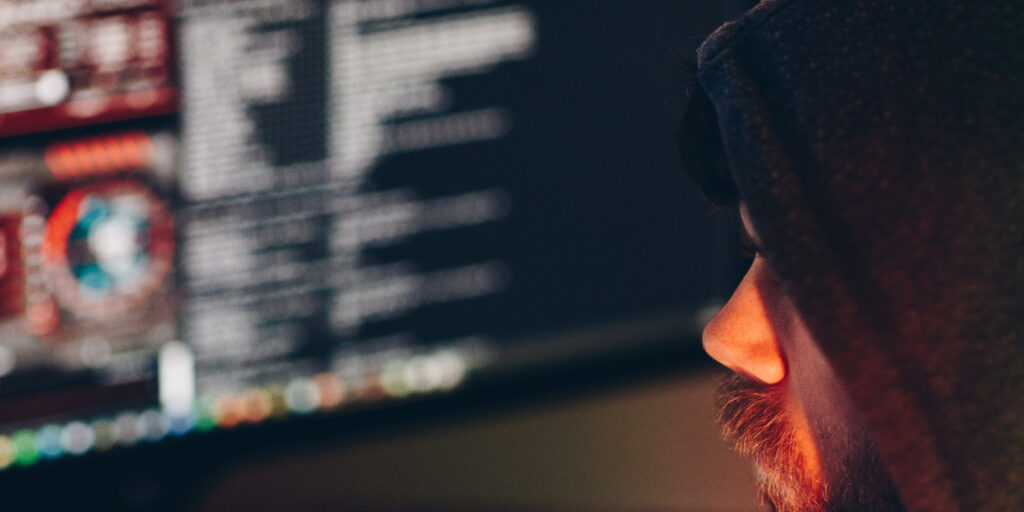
{"x":786,"y":408}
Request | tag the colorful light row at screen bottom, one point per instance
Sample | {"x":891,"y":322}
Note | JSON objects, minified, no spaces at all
{"x":301,"y":396}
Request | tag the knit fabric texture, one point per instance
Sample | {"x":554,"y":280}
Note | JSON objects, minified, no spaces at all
{"x":879,"y":148}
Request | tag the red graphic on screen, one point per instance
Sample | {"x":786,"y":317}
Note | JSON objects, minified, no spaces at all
{"x":12,"y":274}
{"x":78,"y":62}
{"x":107,"y":247}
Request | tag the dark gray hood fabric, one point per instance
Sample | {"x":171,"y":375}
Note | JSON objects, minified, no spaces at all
{"x":879,"y":147}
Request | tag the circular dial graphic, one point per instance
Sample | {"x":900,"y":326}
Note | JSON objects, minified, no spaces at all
{"x":107,"y":247}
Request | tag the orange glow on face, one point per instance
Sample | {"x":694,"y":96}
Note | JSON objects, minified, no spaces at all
{"x":758,"y":335}
{"x":741,"y":336}
{"x":786,"y":408}
{"x":803,"y":438}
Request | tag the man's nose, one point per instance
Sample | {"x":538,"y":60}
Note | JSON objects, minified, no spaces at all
{"x":741,"y":336}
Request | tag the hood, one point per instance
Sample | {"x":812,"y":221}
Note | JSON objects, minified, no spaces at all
{"x":879,"y":147}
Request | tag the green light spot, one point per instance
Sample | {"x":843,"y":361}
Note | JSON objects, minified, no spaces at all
{"x":24,"y":442}
{"x":205,"y":419}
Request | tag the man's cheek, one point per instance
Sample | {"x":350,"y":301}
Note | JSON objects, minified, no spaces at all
{"x":805,"y":442}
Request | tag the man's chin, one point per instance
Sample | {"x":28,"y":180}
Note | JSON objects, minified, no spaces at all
{"x":783,"y":491}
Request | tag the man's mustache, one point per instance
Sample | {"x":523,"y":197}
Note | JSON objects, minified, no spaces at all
{"x":753,"y":417}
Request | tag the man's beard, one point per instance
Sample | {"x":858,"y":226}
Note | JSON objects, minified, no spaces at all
{"x":753,"y":416}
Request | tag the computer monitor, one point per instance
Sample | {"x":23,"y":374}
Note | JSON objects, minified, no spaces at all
{"x":216,"y":213}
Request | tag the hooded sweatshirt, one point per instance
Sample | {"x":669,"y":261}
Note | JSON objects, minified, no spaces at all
{"x":879,"y":148}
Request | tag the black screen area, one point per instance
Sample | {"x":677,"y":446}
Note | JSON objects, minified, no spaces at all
{"x":217,"y":213}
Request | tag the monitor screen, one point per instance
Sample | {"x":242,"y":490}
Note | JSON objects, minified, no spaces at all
{"x":219,"y":213}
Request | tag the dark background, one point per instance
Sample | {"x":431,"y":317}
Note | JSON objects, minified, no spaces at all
{"x":595,"y":241}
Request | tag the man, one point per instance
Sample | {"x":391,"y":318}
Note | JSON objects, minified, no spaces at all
{"x":875,"y":152}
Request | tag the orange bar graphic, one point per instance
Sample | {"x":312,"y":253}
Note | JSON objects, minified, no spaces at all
{"x":101,"y":155}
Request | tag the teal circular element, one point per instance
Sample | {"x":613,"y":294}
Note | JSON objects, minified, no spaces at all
{"x":48,"y":442}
